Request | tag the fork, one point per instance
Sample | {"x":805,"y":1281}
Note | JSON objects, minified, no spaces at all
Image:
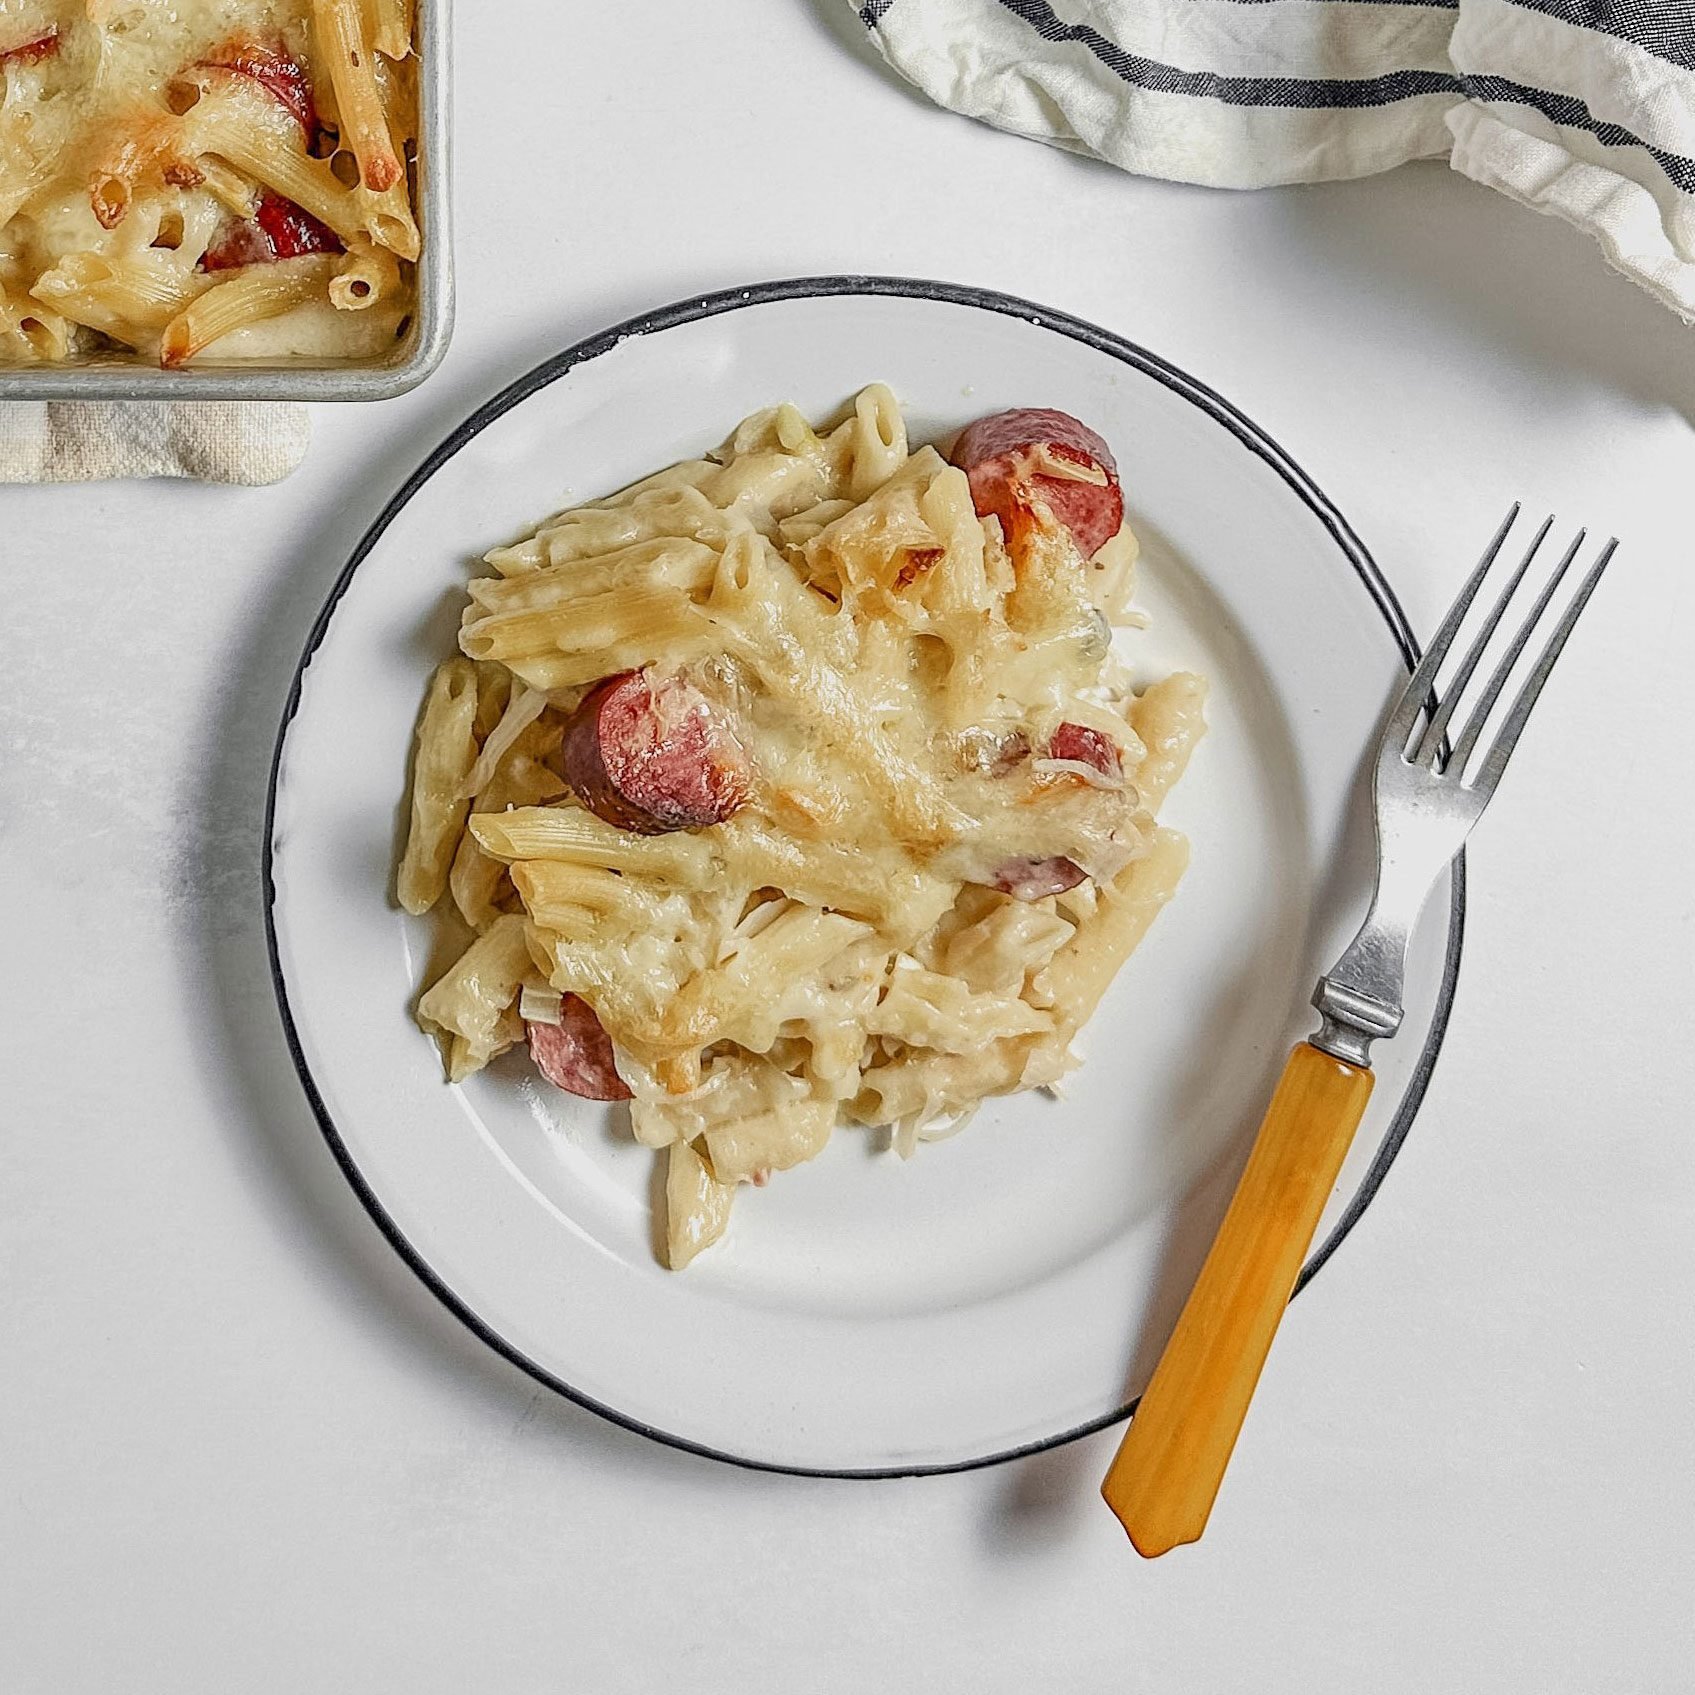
{"x":1427,"y":792}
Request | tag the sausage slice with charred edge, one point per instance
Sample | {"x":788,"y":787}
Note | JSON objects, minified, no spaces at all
{"x":1012,"y":458}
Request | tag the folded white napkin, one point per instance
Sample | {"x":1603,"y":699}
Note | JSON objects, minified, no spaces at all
{"x":1581,"y":108}
{"x":235,"y":441}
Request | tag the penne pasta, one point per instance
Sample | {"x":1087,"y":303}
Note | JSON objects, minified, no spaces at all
{"x":697,"y":1206}
{"x":270,"y":157}
{"x":1082,"y":967}
{"x":748,"y":1150}
{"x":574,"y":836}
{"x":663,"y":561}
{"x":479,"y":882}
{"x":925,"y":1009}
{"x":129,"y":298}
{"x":594,"y":536}
{"x":391,"y":28}
{"x":31,"y":330}
{"x":474,"y":1003}
{"x":236,"y":193}
{"x":731,"y":1000}
{"x":879,"y":441}
{"x":920,"y":1087}
{"x":388,"y":211}
{"x":359,"y":105}
{"x":861,"y":812}
{"x":446,"y":750}
{"x":901,"y":897}
{"x":565,"y":646}
{"x":259,"y":292}
{"x":582,"y":900}
{"x":1168,"y":720}
{"x":368,"y":276}
{"x":389,"y":218}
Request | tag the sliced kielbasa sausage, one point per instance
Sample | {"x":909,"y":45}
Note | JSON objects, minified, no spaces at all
{"x":1031,"y":879}
{"x":278,"y":229}
{"x":576,"y":1053}
{"x":1086,"y":746}
{"x":652,"y":754}
{"x":1009,"y":457}
{"x":44,"y":46}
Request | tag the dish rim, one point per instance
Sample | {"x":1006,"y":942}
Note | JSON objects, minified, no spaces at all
{"x":415,"y":358}
{"x":712,"y":304}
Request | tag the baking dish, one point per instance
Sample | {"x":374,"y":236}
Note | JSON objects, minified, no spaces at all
{"x":413,"y":357}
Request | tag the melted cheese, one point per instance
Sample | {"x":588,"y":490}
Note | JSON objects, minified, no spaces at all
{"x":102,"y":104}
{"x":897,"y":675}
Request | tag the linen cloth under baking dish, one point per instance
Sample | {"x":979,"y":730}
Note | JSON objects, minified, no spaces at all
{"x":1580,"y":108}
{"x":218,"y":441}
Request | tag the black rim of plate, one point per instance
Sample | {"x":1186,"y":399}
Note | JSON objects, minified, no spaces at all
{"x":1216,"y":407}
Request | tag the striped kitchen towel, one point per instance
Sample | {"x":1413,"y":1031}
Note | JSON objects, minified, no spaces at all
{"x":1581,"y":108}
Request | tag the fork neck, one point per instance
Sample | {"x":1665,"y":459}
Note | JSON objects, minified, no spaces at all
{"x":1351,"y":1021}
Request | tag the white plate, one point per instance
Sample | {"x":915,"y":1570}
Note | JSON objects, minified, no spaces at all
{"x":1009,"y":1288}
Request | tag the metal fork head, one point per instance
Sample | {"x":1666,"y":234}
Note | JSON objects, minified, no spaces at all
{"x":1429,"y":789}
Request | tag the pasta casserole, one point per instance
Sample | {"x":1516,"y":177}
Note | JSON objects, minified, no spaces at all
{"x":205,"y":181}
{"x":800,"y":785}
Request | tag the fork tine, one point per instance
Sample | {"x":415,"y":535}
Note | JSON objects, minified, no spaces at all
{"x":1438,"y":726}
{"x":1506,"y":738}
{"x":1399,"y":728}
{"x":1498,"y":680}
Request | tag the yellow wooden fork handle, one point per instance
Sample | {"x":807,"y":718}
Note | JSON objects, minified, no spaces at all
{"x":1169,"y":1466}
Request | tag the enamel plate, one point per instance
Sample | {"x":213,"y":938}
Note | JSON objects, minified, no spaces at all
{"x":1003,"y":1290}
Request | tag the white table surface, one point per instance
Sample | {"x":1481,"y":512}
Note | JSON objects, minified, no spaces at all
{"x":242,"y":1449}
